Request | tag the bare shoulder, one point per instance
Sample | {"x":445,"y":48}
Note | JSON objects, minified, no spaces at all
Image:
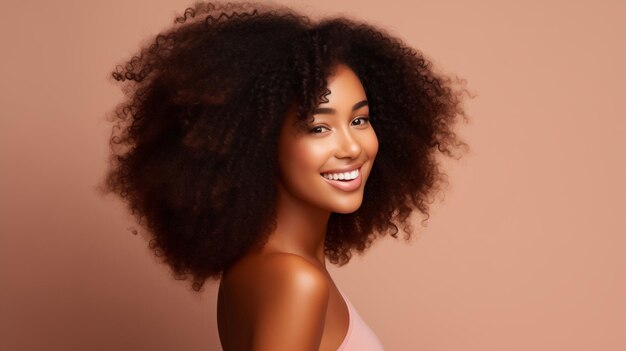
{"x":289,"y":268}
{"x":291,"y":301}
{"x":272,"y":266}
{"x":289,"y":277}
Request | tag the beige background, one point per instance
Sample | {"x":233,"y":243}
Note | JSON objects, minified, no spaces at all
{"x":526,"y":251}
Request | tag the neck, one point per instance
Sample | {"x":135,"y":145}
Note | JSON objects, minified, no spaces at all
{"x":300,"y":228}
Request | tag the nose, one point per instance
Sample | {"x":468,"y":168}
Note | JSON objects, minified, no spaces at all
{"x":347,"y":145}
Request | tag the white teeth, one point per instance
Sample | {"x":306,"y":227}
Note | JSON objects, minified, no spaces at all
{"x":342,"y":176}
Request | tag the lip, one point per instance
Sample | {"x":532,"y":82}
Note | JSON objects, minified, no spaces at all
{"x":350,"y":185}
{"x":345,"y":169}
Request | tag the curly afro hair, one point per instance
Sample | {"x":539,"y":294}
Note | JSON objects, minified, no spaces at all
{"x":194,"y":146}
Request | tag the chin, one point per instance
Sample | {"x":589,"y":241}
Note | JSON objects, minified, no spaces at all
{"x":346,"y":206}
{"x":346,"y":211}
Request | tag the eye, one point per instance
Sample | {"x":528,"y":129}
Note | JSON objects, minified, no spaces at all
{"x":315,"y":129}
{"x":365,"y":120}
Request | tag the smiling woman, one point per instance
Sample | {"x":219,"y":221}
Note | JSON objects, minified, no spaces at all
{"x":338,"y":141}
{"x":255,"y":144}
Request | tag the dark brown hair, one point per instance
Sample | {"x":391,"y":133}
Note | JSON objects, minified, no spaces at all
{"x":194,"y":149}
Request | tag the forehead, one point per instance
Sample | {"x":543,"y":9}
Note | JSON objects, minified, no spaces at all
{"x":345,"y":87}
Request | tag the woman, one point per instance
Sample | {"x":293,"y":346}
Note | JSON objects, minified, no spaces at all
{"x":256,"y":143}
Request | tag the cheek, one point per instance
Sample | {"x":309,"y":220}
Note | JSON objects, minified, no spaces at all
{"x":306,"y":157}
{"x":371,"y":145}
{"x":301,"y":164}
{"x":301,"y":158}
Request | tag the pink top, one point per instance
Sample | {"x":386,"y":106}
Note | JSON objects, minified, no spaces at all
{"x":359,"y":337}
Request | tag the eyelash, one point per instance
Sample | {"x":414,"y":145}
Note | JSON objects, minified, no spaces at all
{"x":312,"y":130}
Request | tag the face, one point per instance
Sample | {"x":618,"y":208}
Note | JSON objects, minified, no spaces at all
{"x":340,"y":139}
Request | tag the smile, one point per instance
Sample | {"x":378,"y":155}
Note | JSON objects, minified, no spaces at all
{"x":345,"y":184}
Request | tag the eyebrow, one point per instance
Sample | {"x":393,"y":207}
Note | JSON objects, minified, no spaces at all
{"x":329,"y":110}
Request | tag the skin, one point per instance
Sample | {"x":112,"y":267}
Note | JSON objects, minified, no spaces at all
{"x":281,"y":297}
